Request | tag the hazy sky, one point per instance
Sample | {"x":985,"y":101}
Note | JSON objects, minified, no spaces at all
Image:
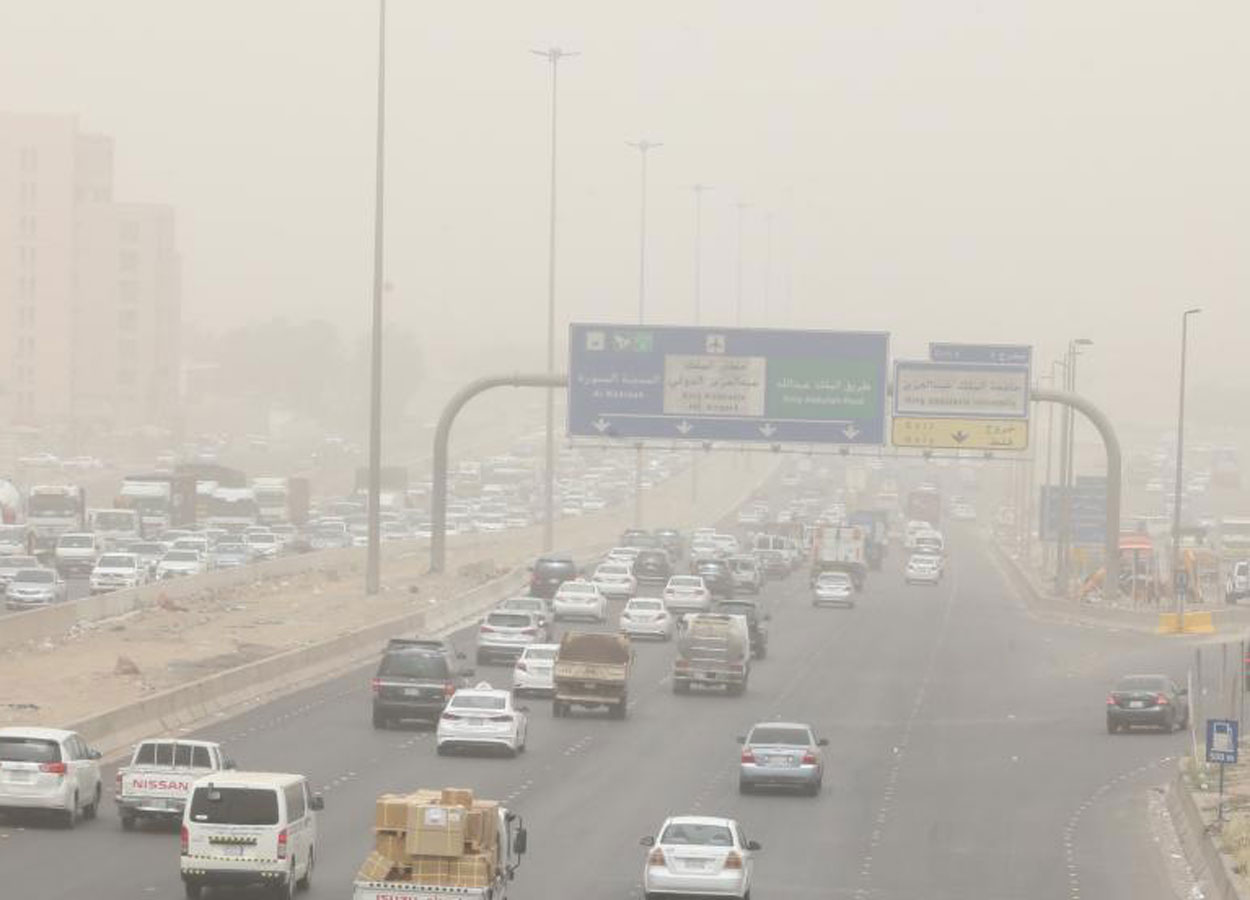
{"x":997,"y":170}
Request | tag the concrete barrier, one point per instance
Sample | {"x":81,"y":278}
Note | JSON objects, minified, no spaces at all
{"x":1208,"y":863}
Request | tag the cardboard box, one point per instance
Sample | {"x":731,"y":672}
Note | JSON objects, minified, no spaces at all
{"x":392,"y":812}
{"x":376,"y":868}
{"x":457,"y":797}
{"x":432,"y":870}
{"x":474,"y":870}
{"x":481,"y":829}
{"x":435,"y":830}
{"x":391,"y":844}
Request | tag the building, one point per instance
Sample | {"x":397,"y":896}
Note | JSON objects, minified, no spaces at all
{"x":89,"y":287}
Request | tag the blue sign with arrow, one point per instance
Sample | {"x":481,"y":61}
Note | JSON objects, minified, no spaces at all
{"x":727,"y":384}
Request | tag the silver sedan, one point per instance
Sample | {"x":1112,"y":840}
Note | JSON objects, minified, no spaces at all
{"x":781,"y":754}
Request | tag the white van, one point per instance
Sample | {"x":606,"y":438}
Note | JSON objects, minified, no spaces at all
{"x":249,"y":828}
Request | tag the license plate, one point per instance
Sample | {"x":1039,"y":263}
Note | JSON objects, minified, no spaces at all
{"x":20,"y":777}
{"x":1137,"y":704}
{"x":781,"y":762}
{"x":412,"y":692}
{"x":232,"y":850}
{"x":697,"y":865}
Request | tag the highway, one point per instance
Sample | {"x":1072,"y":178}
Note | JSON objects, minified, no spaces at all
{"x":968,"y":759}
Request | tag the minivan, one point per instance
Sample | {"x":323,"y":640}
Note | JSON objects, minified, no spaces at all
{"x":250,"y":828}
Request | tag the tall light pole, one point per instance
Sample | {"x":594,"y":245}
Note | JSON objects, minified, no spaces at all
{"x":768,"y":261}
{"x":698,"y":309}
{"x":1067,"y":467}
{"x":553,"y":55}
{"x":742,"y":208}
{"x":1050,"y":445}
{"x":374,"y":557}
{"x":1180,"y":472}
{"x":643,"y":146}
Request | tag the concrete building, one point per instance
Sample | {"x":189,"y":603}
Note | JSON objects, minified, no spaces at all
{"x":89,"y":288}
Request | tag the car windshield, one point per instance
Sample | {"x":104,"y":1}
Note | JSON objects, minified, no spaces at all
{"x":17,"y":562}
{"x":578,"y":588}
{"x":508,"y":620}
{"x":36,"y":576}
{"x":147,"y":549}
{"x":116,"y":561}
{"x":29,"y":750}
{"x":697,"y":834}
{"x":649,"y":605}
{"x":414,"y":665}
{"x":834,"y":579}
{"x":540,"y":653}
{"x":224,"y":549}
{"x":1143,"y":683}
{"x":478,"y":701}
{"x":76,"y":541}
{"x":182,"y":556}
{"x":780,"y":735}
{"x":234,"y":806}
{"x":262,"y":538}
{"x":555,"y":567}
{"x":613,"y":570}
{"x":527,"y":604}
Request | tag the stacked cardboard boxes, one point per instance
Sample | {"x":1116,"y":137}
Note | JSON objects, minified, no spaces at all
{"x":444,"y":838}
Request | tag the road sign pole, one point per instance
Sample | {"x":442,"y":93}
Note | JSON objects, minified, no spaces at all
{"x":1220,"y":814}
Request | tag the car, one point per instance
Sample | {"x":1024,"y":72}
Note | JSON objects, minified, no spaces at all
{"x":75,"y":553}
{"x":647,"y":616}
{"x":482,"y":717}
{"x":1147,"y":701}
{"x":533,"y":672}
{"x":199,"y":544}
{"x":49,"y":769}
{"x":670,"y":539}
{"x":176,"y":563}
{"x":615,"y":580}
{"x":653,"y":567}
{"x":781,"y":754}
{"x":757,"y":618}
{"x":39,"y":459}
{"x":579,"y":599}
{"x":505,"y":633}
{"x":536,"y":605}
{"x":149,"y":553}
{"x":717,"y":577}
{"x":414,"y":680}
{"x":703,"y":856}
{"x":548,"y":573}
{"x":922,"y":568}
{"x":747,"y":573}
{"x":34,"y":587}
{"x":625,"y":555}
{"x":775,"y":563}
{"x":231,"y":556}
{"x":687,"y":594}
{"x":269,"y":817}
{"x":833,"y":588}
{"x":16,"y":539}
{"x":263,"y":545}
{"x":963,"y":512}
{"x":11,"y":565}
{"x":114,"y":571}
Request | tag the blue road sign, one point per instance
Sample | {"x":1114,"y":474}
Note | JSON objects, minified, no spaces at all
{"x":1087,"y":512}
{"x":1222,"y":741}
{"x":727,"y":384}
{"x":990,"y":354}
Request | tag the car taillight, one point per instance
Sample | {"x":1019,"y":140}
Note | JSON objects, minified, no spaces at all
{"x":451,"y":717}
{"x":186,"y":841}
{"x":505,"y":718}
{"x":1111,"y":700}
{"x":682,"y":664}
{"x":376,"y":685}
{"x":485,"y":629}
{"x":530,"y":630}
{"x":282,"y":844}
{"x":1161,"y":699}
{"x":521,"y":666}
{"x":57,"y":768}
{"x":737,"y":667}
{"x":119,"y":781}
{"x":448,"y":689}
{"x":733,"y":860}
{"x":809,"y":759}
{"x":656,"y":857}
{"x":748,"y":755}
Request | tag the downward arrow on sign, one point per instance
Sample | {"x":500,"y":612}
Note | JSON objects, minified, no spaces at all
{"x":601,"y":425}
{"x":851,"y":432}
{"x":685,"y":427}
{"x":768,"y":430}
{"x":960,"y":436}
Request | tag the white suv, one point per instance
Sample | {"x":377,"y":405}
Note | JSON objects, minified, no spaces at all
{"x":49,"y":769}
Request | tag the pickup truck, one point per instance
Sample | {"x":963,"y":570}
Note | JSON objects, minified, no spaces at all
{"x":157,"y":782}
{"x":592,"y":669}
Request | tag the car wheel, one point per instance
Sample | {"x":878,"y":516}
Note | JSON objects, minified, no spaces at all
{"x":441,"y":750}
{"x":763,"y":651}
{"x":285,"y":890}
{"x":813,"y":789}
{"x":1112,"y":727}
{"x":744,"y":786}
{"x":93,"y":809}
{"x":681,"y":686}
{"x":128,"y":823}
{"x":69,"y":817}
{"x":192,"y":889}
{"x":379,"y":720}
{"x":306,"y":882}
{"x":557,"y":709}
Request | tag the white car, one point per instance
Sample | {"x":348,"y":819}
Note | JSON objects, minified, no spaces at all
{"x":579,"y":599}
{"x":687,"y":594}
{"x":179,"y":562}
{"x":506,"y":633}
{"x":923,"y":569}
{"x":625,"y":555}
{"x":33,"y":588}
{"x":114,"y":571}
{"x":49,"y":769}
{"x":833,"y":587}
{"x":481,"y":717}
{"x":615,"y":580}
{"x":263,"y":545}
{"x":534,"y":670}
{"x":701,"y":856}
{"x":647,"y":616}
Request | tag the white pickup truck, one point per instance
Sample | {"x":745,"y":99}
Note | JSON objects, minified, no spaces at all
{"x":158,"y":780}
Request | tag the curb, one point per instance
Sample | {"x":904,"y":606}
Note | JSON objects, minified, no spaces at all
{"x":1210,"y":864}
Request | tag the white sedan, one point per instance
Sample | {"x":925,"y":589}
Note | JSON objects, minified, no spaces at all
{"x":833,"y":587}
{"x":615,"y":580}
{"x":699,"y":855}
{"x":647,"y":616}
{"x":687,"y":594}
{"x":481,"y":717}
{"x":534,"y":670}
{"x":579,"y":600}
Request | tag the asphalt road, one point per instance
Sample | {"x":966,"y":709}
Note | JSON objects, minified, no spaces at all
{"x":968,"y":758}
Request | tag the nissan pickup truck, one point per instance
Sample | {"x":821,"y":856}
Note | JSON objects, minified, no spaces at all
{"x":157,"y":782}
{"x":592,"y":669}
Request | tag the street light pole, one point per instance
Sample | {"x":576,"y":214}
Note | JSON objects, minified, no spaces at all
{"x":374,"y":557}
{"x":738,"y":278}
{"x":1067,"y":469}
{"x":698,"y":309}
{"x":1180,"y":471}
{"x":643,"y":146}
{"x":553,"y":55}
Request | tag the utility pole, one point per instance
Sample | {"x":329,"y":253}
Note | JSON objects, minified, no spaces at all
{"x":1180,"y":473}
{"x":643,"y":146}
{"x":373,"y":562}
{"x":698,"y":309}
{"x":742,"y":207}
{"x":553,"y":55}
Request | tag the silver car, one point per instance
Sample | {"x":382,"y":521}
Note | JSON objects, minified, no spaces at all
{"x":11,"y":565}
{"x":781,"y":754}
{"x":833,"y":588}
{"x":33,"y":588}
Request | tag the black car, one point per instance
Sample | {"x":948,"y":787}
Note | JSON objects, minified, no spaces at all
{"x":717,"y":576}
{"x":548,"y":573}
{"x":670,"y":539}
{"x":415,"y":680}
{"x":757,"y":618}
{"x":653,"y":567}
{"x":1147,"y":701}
{"x":637,"y":537}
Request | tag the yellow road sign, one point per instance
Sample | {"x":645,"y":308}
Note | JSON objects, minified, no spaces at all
{"x":961,"y":434}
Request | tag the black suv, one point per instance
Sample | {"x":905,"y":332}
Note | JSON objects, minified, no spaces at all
{"x":717,"y":575}
{"x":415,"y":680}
{"x":757,"y":621}
{"x":548,"y":573}
{"x":638,"y":537}
{"x":670,"y":540}
{"x":653,"y":567}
